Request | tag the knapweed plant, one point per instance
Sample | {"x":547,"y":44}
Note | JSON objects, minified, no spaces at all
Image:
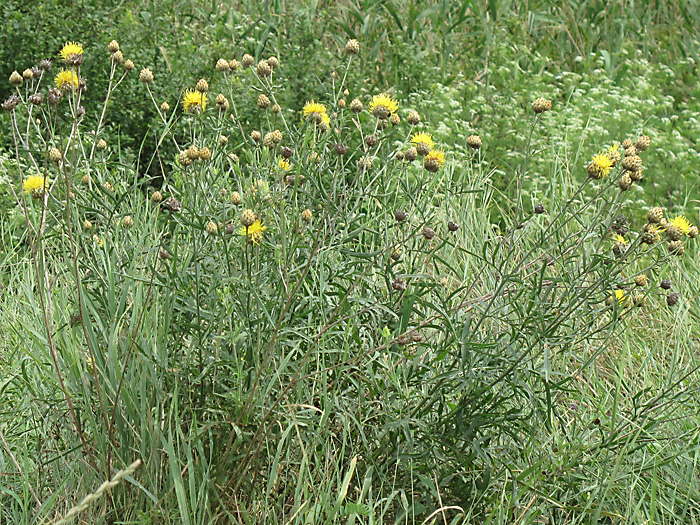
{"x":308,"y":318}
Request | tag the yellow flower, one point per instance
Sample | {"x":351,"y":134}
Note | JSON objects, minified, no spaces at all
{"x":254,"y":232}
{"x":600,"y":166}
{"x":34,"y":183}
{"x":434,"y":160}
{"x":423,"y":138}
{"x":285,"y":165}
{"x":314,"y":107}
{"x":620,"y":296}
{"x":96,"y":239}
{"x":193,"y":101}
{"x":70,"y":49}
{"x":66,"y":78}
{"x":682,"y":224}
{"x":383,"y":106}
{"x":619,"y":239}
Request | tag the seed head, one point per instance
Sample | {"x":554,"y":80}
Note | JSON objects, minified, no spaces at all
{"x":101,"y":144}
{"x":236,"y":198}
{"x":233,"y":157}
{"x":55,"y":155}
{"x":632,"y":163}
{"x":371,"y":140}
{"x":263,"y":101}
{"x":128,"y":222}
{"x":16,"y":79}
{"x":256,"y":136}
{"x":264,"y":69}
{"x":340,"y":149}
{"x":399,"y":155}
{"x":395,"y":119}
{"x":352,"y":47}
{"x":411,"y":154}
{"x":666,"y":284}
{"x":222,"y":65}
{"x":156,"y":197}
{"x":631,"y":151}
{"x":399,"y":284}
{"x":113,"y":46}
{"x":129,"y":65}
{"x":614,"y":155}
{"x":627,"y":143}
{"x":11,"y":103}
{"x":163,"y":254}
{"x":273,"y":62}
{"x":173,"y":204}
{"x":640,"y":280}
{"x":222,"y":103}
{"x":184,"y":159}
{"x":117,"y":57}
{"x":55,"y":96}
{"x":146,"y":76}
{"x":247,"y":60}
{"x":643,"y":143}
{"x":192,"y":152}
{"x":452,"y":226}
{"x":356,"y":106}
{"x":45,"y":64}
{"x":248,"y":217}
{"x":672,"y":299}
{"x":272,"y":139}
{"x":539,"y":208}
{"x":650,"y":234}
{"x":202,"y":85}
{"x":286,"y":152}
{"x":36,"y":99}
{"x":693,"y":232}
{"x":307,"y":215}
{"x":204,"y":153}
{"x":625,"y":182}
{"x":673,"y":232}
{"x":233,"y":65}
{"x":400,"y":215}
{"x":211,"y":228}
{"x":413,"y":118}
{"x":28,"y":74}
{"x":655,"y":214}
{"x":428,"y":233}
{"x":676,"y":248}
{"x":474,"y":141}
{"x":636,"y":176}
{"x":541,"y":105}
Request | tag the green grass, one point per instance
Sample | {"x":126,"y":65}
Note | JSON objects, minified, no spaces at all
{"x":350,"y":368}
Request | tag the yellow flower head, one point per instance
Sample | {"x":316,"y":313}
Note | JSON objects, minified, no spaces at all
{"x":66,"y":78}
{"x":194,"y":102}
{"x":254,"y":232}
{"x":96,"y":239}
{"x":383,"y":106}
{"x":423,"y":138}
{"x":436,"y":157}
{"x":682,"y":224}
{"x":620,"y":296}
{"x":69,"y":49}
{"x":619,"y":239}
{"x":285,"y":165}
{"x":314,"y":107}
{"x":600,"y":166}
{"x":34,"y":183}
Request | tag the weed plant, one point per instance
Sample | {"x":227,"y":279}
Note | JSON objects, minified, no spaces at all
{"x":316,"y":320}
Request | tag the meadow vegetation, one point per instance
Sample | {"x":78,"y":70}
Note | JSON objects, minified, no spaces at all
{"x":356,"y":262}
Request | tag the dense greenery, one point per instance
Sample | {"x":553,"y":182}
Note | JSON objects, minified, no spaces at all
{"x":305,"y":326}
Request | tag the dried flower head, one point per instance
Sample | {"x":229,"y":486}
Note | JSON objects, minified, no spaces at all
{"x":352,"y":47}
{"x":101,"y":144}
{"x":264,"y":101}
{"x":413,"y":118}
{"x":247,"y":60}
{"x":264,"y":69}
{"x":222,"y":65}
{"x":541,"y":105}
{"x":356,"y":106}
{"x":202,"y":85}
{"x":129,"y":65}
{"x":146,"y":76}
{"x":411,"y":154}
{"x":474,"y":141}
{"x":256,"y":136}
{"x":640,"y":280}
{"x":128,"y":222}
{"x":222,"y":103}
{"x":632,"y":163}
{"x":117,"y":57}
{"x":113,"y":46}
{"x":643,"y":143}
{"x":55,"y":155}
{"x":11,"y":102}
{"x":307,"y":215}
{"x":273,"y":62}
